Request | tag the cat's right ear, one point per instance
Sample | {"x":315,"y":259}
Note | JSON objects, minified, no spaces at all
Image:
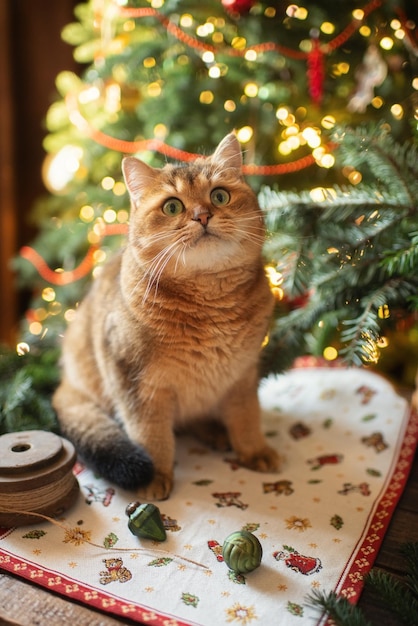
{"x":138,"y":177}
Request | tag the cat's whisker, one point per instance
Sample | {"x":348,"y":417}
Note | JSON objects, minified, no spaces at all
{"x":159,"y":263}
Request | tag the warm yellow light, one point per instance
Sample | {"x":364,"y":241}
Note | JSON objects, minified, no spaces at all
{"x":229,"y":105}
{"x":160,"y":131}
{"x":154,"y":90}
{"x":93,"y":237}
{"x":415,"y":83}
{"x":109,"y":216}
{"x":119,"y":188}
{"x":291,"y":130}
{"x":397,"y":111}
{"x":208,"y":56}
{"x":365,"y":31}
{"x":377,"y":102}
{"x":400,"y":34}
{"x":312,"y":138}
{"x":358,"y":14}
{"x":60,"y":168}
{"x":129,"y":25}
{"x":123,"y":216}
{"x":386,"y":43}
{"x":284,"y":148}
{"x":99,"y":256}
{"x":330,"y":353}
{"x":186,"y":20}
{"x":206,"y":97}
{"x":343,"y":68}
{"x":275,"y":278}
{"x":87,"y":213}
{"x":107,"y":183}
{"x":69,"y":315}
{"x":251,"y":90}
{"x":328,"y":122}
{"x":149,"y":62}
{"x":270,"y":12}
{"x":355,"y":177}
{"x":383,"y":342}
{"x":327,"y":161}
{"x":301,"y":13}
{"x":395,"y":24}
{"x":22,"y":348}
{"x":239,"y":43}
{"x":205,"y":29}
{"x":214,"y":71}
{"x":282,"y":113}
{"x":318,"y":153}
{"x":327,"y":28}
{"x":48,"y":294}
{"x":35,"y":328}
{"x":251,"y":55}
{"x":244,"y":134}
{"x":318,"y":194}
{"x":383,"y":312}
{"x":89,"y":95}
{"x":293,"y":142}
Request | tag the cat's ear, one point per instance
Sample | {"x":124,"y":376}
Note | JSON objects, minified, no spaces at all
{"x":228,"y":154}
{"x":138,"y":176}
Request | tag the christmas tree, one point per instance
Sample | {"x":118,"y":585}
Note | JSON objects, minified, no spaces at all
{"x":166,"y":79}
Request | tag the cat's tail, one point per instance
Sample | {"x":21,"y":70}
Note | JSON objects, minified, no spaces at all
{"x":119,"y":461}
{"x":102,"y":444}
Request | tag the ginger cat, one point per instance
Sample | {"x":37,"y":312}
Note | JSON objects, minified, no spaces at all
{"x":170,"y":333}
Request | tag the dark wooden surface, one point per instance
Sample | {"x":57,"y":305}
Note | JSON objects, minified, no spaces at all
{"x":24,"y":604}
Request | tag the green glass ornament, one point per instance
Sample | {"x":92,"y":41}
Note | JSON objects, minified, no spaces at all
{"x":145,"y":521}
{"x":242,"y":552}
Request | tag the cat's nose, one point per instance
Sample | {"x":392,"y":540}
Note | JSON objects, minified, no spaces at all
{"x":201,"y":215}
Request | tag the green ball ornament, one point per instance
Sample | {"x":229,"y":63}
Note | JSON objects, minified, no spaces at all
{"x":242,"y":552}
{"x":145,"y":521}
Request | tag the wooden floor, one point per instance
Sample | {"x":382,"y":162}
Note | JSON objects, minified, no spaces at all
{"x":24,"y":604}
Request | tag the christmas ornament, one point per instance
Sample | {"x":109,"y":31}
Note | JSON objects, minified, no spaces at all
{"x":145,"y":521}
{"x":36,"y":477}
{"x":370,"y":74}
{"x":315,"y":71}
{"x":239,"y":7}
{"x":242,"y":552}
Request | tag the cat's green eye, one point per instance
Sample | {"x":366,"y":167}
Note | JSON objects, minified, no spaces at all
{"x":219,"y":196}
{"x":173,"y":207}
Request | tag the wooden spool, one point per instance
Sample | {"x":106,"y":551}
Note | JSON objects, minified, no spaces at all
{"x":35,"y":477}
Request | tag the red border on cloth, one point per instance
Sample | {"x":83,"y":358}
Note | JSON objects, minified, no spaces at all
{"x":72,"y":589}
{"x":351,"y":581}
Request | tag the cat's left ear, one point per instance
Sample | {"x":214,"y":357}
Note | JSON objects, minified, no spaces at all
{"x":228,"y":153}
{"x":138,"y":176}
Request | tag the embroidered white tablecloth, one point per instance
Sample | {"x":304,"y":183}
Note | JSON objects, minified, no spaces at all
{"x":348,"y":439}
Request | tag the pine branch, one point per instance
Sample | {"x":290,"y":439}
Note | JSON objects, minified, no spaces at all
{"x":338,"y":609}
{"x":26,"y":385}
{"x":396,"y":595}
{"x":410,"y":553}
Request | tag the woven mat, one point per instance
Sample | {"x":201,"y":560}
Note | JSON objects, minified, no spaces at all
{"x":349,"y":441}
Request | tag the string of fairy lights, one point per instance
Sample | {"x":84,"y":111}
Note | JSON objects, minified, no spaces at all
{"x":207,"y":40}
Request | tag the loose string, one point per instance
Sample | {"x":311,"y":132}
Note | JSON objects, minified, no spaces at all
{"x":81,"y":538}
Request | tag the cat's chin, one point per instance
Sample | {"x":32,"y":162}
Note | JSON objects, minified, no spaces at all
{"x":211,"y":252}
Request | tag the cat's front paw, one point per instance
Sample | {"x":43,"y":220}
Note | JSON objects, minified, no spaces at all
{"x":158,"y":489}
{"x":264,"y":460}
